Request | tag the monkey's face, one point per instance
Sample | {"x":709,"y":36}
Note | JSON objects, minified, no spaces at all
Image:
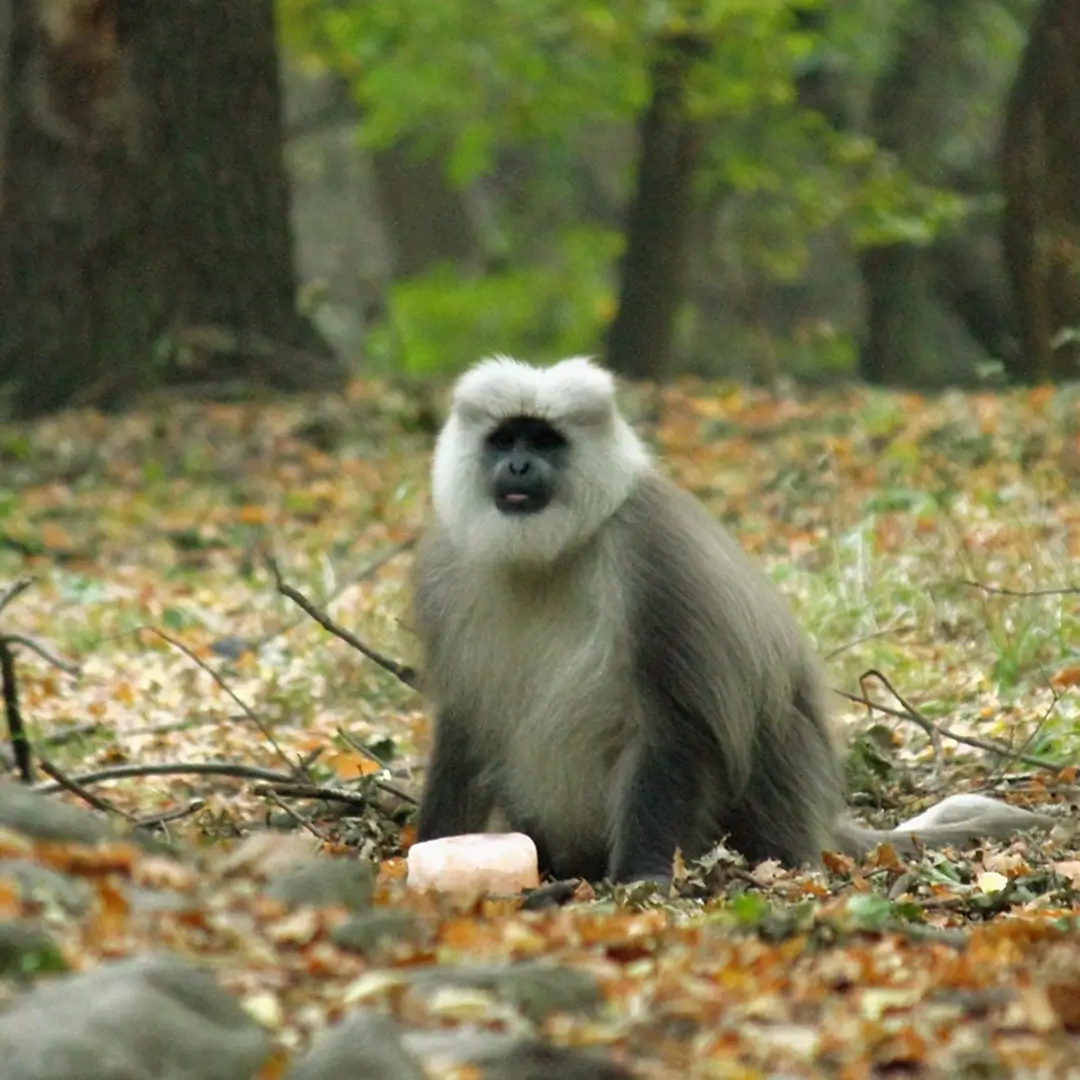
{"x":531,"y":461}
{"x":524,"y":456}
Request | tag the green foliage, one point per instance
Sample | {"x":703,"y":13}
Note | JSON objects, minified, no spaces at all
{"x":469,"y":82}
{"x":868,"y":766}
{"x":445,"y":320}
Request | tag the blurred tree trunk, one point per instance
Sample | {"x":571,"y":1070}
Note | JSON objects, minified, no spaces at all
{"x":906,"y":118}
{"x":144,"y":223}
{"x":654,"y":267}
{"x":912,"y":292}
{"x":1041,"y":179}
{"x":427,"y":220}
{"x":7,"y":16}
{"x":935,"y":311}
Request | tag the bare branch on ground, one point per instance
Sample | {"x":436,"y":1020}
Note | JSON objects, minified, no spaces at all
{"x":936,"y":732}
{"x":402,"y":672}
{"x":179,"y":768}
{"x":88,"y":797}
{"x":266,"y":733}
{"x":999,"y":590}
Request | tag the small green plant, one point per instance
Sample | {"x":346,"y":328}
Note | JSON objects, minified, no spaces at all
{"x":445,"y":320}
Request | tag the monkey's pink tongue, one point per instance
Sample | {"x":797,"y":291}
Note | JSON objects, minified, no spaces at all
{"x":515,"y":497}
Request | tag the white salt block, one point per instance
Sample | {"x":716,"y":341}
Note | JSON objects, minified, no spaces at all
{"x":474,"y":862}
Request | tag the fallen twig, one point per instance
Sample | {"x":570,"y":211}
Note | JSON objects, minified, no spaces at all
{"x":15,"y":589}
{"x":1000,"y":590}
{"x":9,"y":689}
{"x":65,"y":666}
{"x":369,"y":571}
{"x":72,"y":734}
{"x":402,"y":672}
{"x":154,"y":821}
{"x":266,"y":733}
{"x":1039,"y":725}
{"x":911,"y":713}
{"x":65,"y":781}
{"x":313,"y":791}
{"x":907,"y":713}
{"x":195,"y":768}
{"x":301,"y":821}
{"x":901,"y":629}
{"x":384,"y":785}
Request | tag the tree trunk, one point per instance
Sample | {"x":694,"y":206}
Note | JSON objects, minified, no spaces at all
{"x":1041,"y":180}
{"x":897,"y":322}
{"x":7,"y":17}
{"x":427,"y":220}
{"x":655,"y":264}
{"x":144,"y":228}
{"x":926,"y":324}
{"x":895,"y":275}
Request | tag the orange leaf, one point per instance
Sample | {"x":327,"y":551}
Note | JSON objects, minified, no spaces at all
{"x":1069,"y":676}
{"x":253,"y":515}
{"x":55,"y":537}
{"x":1064,"y":999}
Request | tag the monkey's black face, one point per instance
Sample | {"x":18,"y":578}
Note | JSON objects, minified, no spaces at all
{"x":524,"y":455}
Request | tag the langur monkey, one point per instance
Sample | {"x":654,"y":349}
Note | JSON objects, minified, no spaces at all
{"x":608,"y":668}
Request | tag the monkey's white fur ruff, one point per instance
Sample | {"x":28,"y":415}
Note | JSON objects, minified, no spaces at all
{"x":576,"y":397}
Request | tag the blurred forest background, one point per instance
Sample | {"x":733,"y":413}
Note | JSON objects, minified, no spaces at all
{"x":240,"y":193}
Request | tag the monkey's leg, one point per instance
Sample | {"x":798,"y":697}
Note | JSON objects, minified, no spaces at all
{"x":456,"y":799}
{"x":658,"y":808}
{"x":792,"y":798}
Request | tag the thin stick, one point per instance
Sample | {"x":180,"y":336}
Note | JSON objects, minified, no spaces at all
{"x":368,"y":572}
{"x":302,"y":822}
{"x":266,"y":733}
{"x":96,"y":801}
{"x":16,"y":588}
{"x":49,"y":657}
{"x":195,"y":768}
{"x":902,"y":629}
{"x":966,"y":740}
{"x":384,"y":785}
{"x":314,"y":791}
{"x":912,"y":714}
{"x":999,"y":590}
{"x":401,"y":672}
{"x":9,"y":689}
{"x":153,"y":821}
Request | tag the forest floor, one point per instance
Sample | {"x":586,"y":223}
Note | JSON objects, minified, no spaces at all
{"x":929,"y":545}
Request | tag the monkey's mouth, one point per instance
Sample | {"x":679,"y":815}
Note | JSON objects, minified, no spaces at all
{"x":514,"y":503}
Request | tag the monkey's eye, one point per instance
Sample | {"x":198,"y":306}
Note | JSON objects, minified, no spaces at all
{"x":547,"y":439}
{"x":502,"y":440}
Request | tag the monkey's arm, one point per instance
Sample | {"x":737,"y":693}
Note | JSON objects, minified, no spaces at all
{"x":455,"y":800}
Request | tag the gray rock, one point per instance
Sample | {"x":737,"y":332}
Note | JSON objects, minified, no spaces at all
{"x":151,"y":1018}
{"x":46,"y":818}
{"x":534,"y":1060}
{"x":363,"y":1046}
{"x":367,"y":932}
{"x":26,"y":949}
{"x":45,"y":886}
{"x":535,"y":990}
{"x":325,"y":883}
{"x":502,"y":1056}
